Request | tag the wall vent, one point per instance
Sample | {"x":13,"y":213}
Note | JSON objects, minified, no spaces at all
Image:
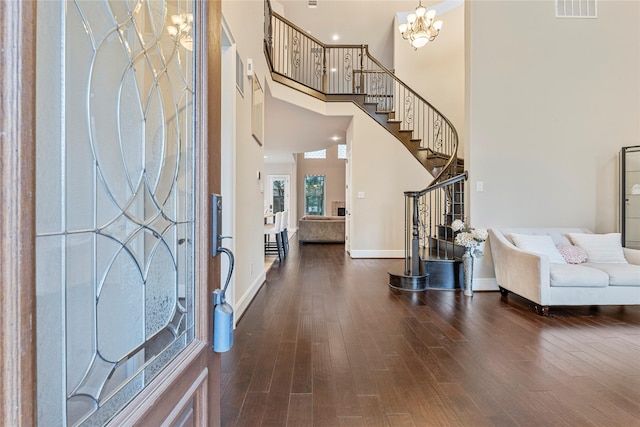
{"x":576,"y":9}
{"x":313,"y":3}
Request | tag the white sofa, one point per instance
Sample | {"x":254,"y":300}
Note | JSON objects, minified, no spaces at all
{"x":532,"y":275}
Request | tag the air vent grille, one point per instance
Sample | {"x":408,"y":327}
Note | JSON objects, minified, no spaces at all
{"x":576,"y":9}
{"x":313,"y":3}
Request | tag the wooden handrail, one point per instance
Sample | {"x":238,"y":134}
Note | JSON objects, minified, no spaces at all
{"x":300,"y":65}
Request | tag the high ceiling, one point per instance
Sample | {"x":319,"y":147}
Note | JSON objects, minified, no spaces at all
{"x":290,"y":129}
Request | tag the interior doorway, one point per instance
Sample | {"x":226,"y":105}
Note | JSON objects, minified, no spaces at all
{"x":277,"y":196}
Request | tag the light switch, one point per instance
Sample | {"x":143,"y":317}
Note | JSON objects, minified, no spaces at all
{"x":360,"y":194}
{"x":479,"y":186}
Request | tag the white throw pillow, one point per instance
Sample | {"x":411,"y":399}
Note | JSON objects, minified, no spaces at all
{"x":539,"y":243}
{"x":600,"y":248}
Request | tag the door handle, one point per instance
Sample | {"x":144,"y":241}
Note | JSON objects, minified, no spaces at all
{"x":222,"y":311}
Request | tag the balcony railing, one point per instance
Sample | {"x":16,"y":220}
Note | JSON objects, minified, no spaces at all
{"x":350,"y":72}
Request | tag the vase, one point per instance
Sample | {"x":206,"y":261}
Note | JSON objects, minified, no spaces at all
{"x":467,"y":266}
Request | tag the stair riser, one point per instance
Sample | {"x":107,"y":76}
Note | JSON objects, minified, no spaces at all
{"x":444,"y":250}
{"x":444,"y":274}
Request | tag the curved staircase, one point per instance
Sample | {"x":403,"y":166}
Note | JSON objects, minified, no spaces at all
{"x":349,"y":73}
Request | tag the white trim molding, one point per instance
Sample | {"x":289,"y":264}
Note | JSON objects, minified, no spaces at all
{"x":245,"y":300}
{"x":485,"y":284}
{"x":377,"y":254}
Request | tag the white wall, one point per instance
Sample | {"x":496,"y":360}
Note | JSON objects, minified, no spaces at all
{"x":550,"y":103}
{"x":382,"y":168}
{"x":249,"y":273}
{"x":436,"y":71}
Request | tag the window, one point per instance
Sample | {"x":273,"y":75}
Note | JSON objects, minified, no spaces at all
{"x":342,"y":151}
{"x":278,"y":195}
{"x":320,"y":154}
{"x":314,"y":195}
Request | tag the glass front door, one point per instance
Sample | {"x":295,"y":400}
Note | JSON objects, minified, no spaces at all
{"x":115,"y":201}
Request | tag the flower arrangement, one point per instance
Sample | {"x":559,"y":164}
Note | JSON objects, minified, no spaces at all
{"x":468,"y":237}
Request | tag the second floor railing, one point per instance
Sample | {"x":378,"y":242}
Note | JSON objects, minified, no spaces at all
{"x":326,"y":70}
{"x":351,"y":72}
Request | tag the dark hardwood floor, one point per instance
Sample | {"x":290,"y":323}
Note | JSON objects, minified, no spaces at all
{"x":327,"y":343}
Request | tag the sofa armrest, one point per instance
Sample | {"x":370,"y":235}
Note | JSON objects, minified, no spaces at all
{"x":632,"y":255}
{"x":524,"y":273}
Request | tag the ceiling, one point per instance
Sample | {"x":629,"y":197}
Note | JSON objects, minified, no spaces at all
{"x":291,"y":129}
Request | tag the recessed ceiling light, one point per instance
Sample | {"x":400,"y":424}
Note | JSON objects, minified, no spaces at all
{"x":333,"y":70}
{"x":335,"y":138}
{"x":335,"y":37}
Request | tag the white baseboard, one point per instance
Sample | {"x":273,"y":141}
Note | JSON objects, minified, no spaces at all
{"x":485,"y":284}
{"x":377,"y":254}
{"x":245,"y":300}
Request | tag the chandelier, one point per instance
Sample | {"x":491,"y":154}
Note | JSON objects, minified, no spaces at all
{"x":181,"y":29}
{"x":420,"y":28}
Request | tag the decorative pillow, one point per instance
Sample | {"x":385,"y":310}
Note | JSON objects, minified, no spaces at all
{"x":539,"y":243}
{"x":572,"y":254}
{"x":601,"y":248}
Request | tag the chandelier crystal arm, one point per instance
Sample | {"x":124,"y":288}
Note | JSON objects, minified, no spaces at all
{"x":420,"y":27}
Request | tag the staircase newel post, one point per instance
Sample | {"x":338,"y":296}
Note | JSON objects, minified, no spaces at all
{"x":415,"y":241}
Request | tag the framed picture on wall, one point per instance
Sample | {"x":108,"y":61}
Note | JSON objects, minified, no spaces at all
{"x":257,"y":110}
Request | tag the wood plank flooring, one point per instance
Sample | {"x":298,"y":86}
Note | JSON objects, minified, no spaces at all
{"x":327,"y":343}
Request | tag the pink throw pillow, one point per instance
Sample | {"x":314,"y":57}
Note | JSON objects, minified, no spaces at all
{"x":572,"y":254}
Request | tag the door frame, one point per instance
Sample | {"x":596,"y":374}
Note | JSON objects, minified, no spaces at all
{"x":18,"y":405}
{"x":347,"y":198}
{"x":17,"y":223}
{"x":228,"y":151}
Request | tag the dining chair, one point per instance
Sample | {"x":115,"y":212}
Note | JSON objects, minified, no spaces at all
{"x":274,"y":229}
{"x":285,"y":232}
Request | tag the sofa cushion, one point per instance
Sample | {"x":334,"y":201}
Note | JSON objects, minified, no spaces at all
{"x":619,"y":274}
{"x":577,"y":275}
{"x":572,"y":254}
{"x":600,"y":248}
{"x":540,"y":244}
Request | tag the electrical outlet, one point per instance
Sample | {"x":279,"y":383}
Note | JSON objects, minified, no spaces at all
{"x":479,"y":186}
